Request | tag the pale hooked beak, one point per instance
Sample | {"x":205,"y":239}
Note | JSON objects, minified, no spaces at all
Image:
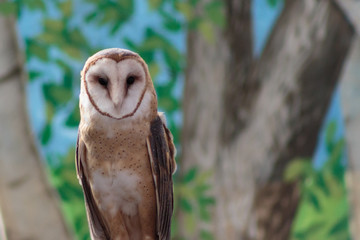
{"x":117,"y":95}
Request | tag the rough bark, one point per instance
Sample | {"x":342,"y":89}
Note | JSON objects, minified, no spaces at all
{"x":350,"y":99}
{"x":238,"y":67}
{"x":287,"y":92}
{"x":28,"y":205}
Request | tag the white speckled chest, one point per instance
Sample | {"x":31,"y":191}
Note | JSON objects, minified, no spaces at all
{"x":118,"y":167}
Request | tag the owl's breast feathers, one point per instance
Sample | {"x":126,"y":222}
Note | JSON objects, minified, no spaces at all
{"x":127,"y":180}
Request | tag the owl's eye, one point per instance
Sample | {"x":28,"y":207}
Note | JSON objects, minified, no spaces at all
{"x":130,"y":80}
{"x":103,"y":81}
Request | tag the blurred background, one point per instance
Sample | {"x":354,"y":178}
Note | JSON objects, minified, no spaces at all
{"x":262,"y":97}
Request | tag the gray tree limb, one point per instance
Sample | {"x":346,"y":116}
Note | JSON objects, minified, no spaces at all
{"x":350,"y":99}
{"x":29,"y":206}
{"x":288,"y":90}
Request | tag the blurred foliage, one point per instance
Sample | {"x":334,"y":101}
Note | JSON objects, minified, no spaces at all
{"x":194,"y":202}
{"x":15,"y":7}
{"x":274,"y":3}
{"x":323,"y":211}
{"x":204,"y":17}
{"x":63,"y":177}
{"x":114,"y":13}
{"x":62,"y":45}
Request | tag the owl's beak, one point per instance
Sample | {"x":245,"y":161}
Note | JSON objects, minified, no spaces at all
{"x":117,"y":96}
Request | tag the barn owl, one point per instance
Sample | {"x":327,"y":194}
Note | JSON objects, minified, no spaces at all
{"x":125,"y":153}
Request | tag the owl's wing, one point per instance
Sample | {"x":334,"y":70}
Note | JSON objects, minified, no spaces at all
{"x":98,"y":227}
{"x":162,"y":158}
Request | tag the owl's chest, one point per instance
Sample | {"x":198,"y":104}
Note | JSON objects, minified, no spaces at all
{"x":116,"y":146}
{"x":117,"y":165}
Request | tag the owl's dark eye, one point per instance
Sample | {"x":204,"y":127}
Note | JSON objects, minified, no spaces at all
{"x":103,"y":81}
{"x":130,"y":80}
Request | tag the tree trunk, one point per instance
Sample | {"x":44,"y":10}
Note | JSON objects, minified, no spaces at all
{"x":29,"y":206}
{"x":2,"y":228}
{"x":350,"y":99}
{"x":351,"y":9}
{"x":246,"y":119}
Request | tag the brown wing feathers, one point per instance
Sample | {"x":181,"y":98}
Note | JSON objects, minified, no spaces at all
{"x":161,"y":151}
{"x":97,"y":224}
{"x":161,"y":161}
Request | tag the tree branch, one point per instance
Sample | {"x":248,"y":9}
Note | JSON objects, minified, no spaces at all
{"x":29,"y":205}
{"x":240,"y":88}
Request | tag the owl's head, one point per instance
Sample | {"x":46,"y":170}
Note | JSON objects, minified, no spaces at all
{"x":116,"y":83}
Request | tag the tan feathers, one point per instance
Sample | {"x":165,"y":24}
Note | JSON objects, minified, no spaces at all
{"x":118,"y":108}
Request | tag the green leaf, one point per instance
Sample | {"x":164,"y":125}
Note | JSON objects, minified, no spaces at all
{"x":330,"y":135}
{"x":215,"y":12}
{"x":74,"y":118}
{"x":49,"y":110}
{"x":115,"y":28}
{"x":56,"y":94}
{"x":90,"y":17}
{"x":34,"y":4}
{"x":204,"y":177}
{"x":33,"y":75}
{"x":114,"y":13}
{"x":170,"y":22}
{"x":207,"y":31}
{"x":8,"y":8}
{"x":172,"y":25}
{"x":190,"y":223}
{"x":200,"y":189}
{"x":154,"y":4}
{"x":67,"y":191}
{"x":154,"y":69}
{"x":325,"y":196}
{"x":110,"y":16}
{"x":129,"y":43}
{"x":205,"y":214}
{"x":305,"y":234}
{"x":340,"y":226}
{"x":336,"y":185}
{"x":72,"y":51}
{"x":334,"y":163}
{"x":185,"y":205}
{"x":273,"y":3}
{"x":50,"y":38}
{"x":37,"y":50}
{"x":204,"y":201}
{"x":64,"y":65}
{"x":190,"y":175}
{"x":46,"y":134}
{"x":320,"y":181}
{"x":206,"y":235}
{"x":186,"y":9}
{"x":66,"y":8}
{"x":77,"y":37}
{"x":54,"y":25}
{"x":68,"y":80}
{"x":194,"y":23}
{"x":297,"y":169}
{"x":314,"y":200}
{"x":172,"y":57}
